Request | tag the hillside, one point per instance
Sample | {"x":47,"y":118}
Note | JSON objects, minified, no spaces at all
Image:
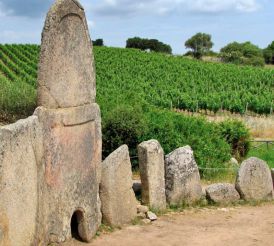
{"x":136,"y":91}
{"x":157,"y":79}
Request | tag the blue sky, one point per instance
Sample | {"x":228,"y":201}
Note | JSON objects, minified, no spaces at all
{"x":170,"y":21}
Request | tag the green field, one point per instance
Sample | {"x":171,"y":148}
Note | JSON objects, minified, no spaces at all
{"x":136,"y":91}
{"x":163,"y":81}
{"x":263,"y":152}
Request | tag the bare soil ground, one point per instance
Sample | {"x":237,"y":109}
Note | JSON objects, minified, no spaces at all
{"x":240,"y":226}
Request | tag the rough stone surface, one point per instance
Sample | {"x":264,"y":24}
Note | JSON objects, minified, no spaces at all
{"x":182,"y":177}
{"x":69,"y":172}
{"x":117,"y":196}
{"x":254,"y":180}
{"x":66,"y":75}
{"x":151,"y":216}
{"x":222,"y":193}
{"x":142,"y":209}
{"x":50,"y":164}
{"x":20,"y":145}
{"x":152,"y":171}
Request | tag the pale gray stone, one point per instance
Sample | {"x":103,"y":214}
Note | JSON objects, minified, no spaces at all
{"x":182,"y":177}
{"x":50,"y":164}
{"x":151,"y":216}
{"x":152,"y":172}
{"x":254,"y":180}
{"x":66,"y":75}
{"x":20,"y":145}
{"x":119,"y":205}
{"x":222,"y":193}
{"x":69,"y":172}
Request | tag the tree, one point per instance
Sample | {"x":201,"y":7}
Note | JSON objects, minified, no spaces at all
{"x":242,"y":54}
{"x":98,"y":42}
{"x":200,"y":44}
{"x":269,"y":54}
{"x":148,"y":44}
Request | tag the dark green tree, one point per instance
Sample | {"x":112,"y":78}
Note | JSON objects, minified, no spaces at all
{"x":148,"y":44}
{"x":269,"y":54}
{"x":200,"y":44}
{"x":98,"y":42}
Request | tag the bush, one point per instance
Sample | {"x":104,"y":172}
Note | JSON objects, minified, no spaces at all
{"x":174,"y":130}
{"x":131,"y":126}
{"x":123,"y":125}
{"x":237,"y":135}
{"x":242,"y":54}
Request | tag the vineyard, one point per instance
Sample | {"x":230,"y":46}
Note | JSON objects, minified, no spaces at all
{"x":159,"y":80}
{"x":138,"y":89}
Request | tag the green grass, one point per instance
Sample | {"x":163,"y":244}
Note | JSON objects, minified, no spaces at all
{"x":264,"y":153}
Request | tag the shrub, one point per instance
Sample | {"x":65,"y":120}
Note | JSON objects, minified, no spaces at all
{"x":237,"y":135}
{"x":123,"y":125}
{"x":174,"y":130}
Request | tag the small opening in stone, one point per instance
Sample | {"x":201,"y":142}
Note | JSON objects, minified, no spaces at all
{"x":76,"y":219}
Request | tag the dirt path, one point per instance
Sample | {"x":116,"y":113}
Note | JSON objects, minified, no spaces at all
{"x":240,"y":226}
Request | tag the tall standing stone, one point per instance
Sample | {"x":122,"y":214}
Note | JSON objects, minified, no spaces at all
{"x":182,"y":177}
{"x":254,"y":180}
{"x":119,"y":205}
{"x":152,"y":171}
{"x":69,"y":172}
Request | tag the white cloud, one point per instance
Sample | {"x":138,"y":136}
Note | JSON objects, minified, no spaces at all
{"x":129,"y":7}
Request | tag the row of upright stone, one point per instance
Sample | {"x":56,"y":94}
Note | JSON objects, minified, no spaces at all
{"x":175,"y":179}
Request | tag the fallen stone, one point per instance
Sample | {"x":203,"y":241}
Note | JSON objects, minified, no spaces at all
{"x":152,"y":172}
{"x":234,"y":162}
{"x":146,"y":221}
{"x":182,"y":177}
{"x":116,"y":193}
{"x":141,"y":215}
{"x":151,"y":216}
{"x":142,"y":209}
{"x":222,"y":193}
{"x":254,"y":180}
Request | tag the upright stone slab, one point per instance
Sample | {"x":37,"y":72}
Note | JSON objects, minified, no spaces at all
{"x":182,"y":177}
{"x":152,"y":171}
{"x":20,"y":148}
{"x":119,"y":205}
{"x":254,"y":180}
{"x":69,"y":172}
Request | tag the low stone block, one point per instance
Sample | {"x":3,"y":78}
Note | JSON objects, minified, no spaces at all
{"x":119,"y":205}
{"x":254,"y":180}
{"x":152,"y":171}
{"x":182,"y":177}
{"x":222,"y":193}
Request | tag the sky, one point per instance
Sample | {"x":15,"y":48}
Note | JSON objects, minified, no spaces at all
{"x":170,"y":21}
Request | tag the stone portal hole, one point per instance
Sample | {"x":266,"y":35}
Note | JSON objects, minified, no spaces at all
{"x":76,"y":219}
